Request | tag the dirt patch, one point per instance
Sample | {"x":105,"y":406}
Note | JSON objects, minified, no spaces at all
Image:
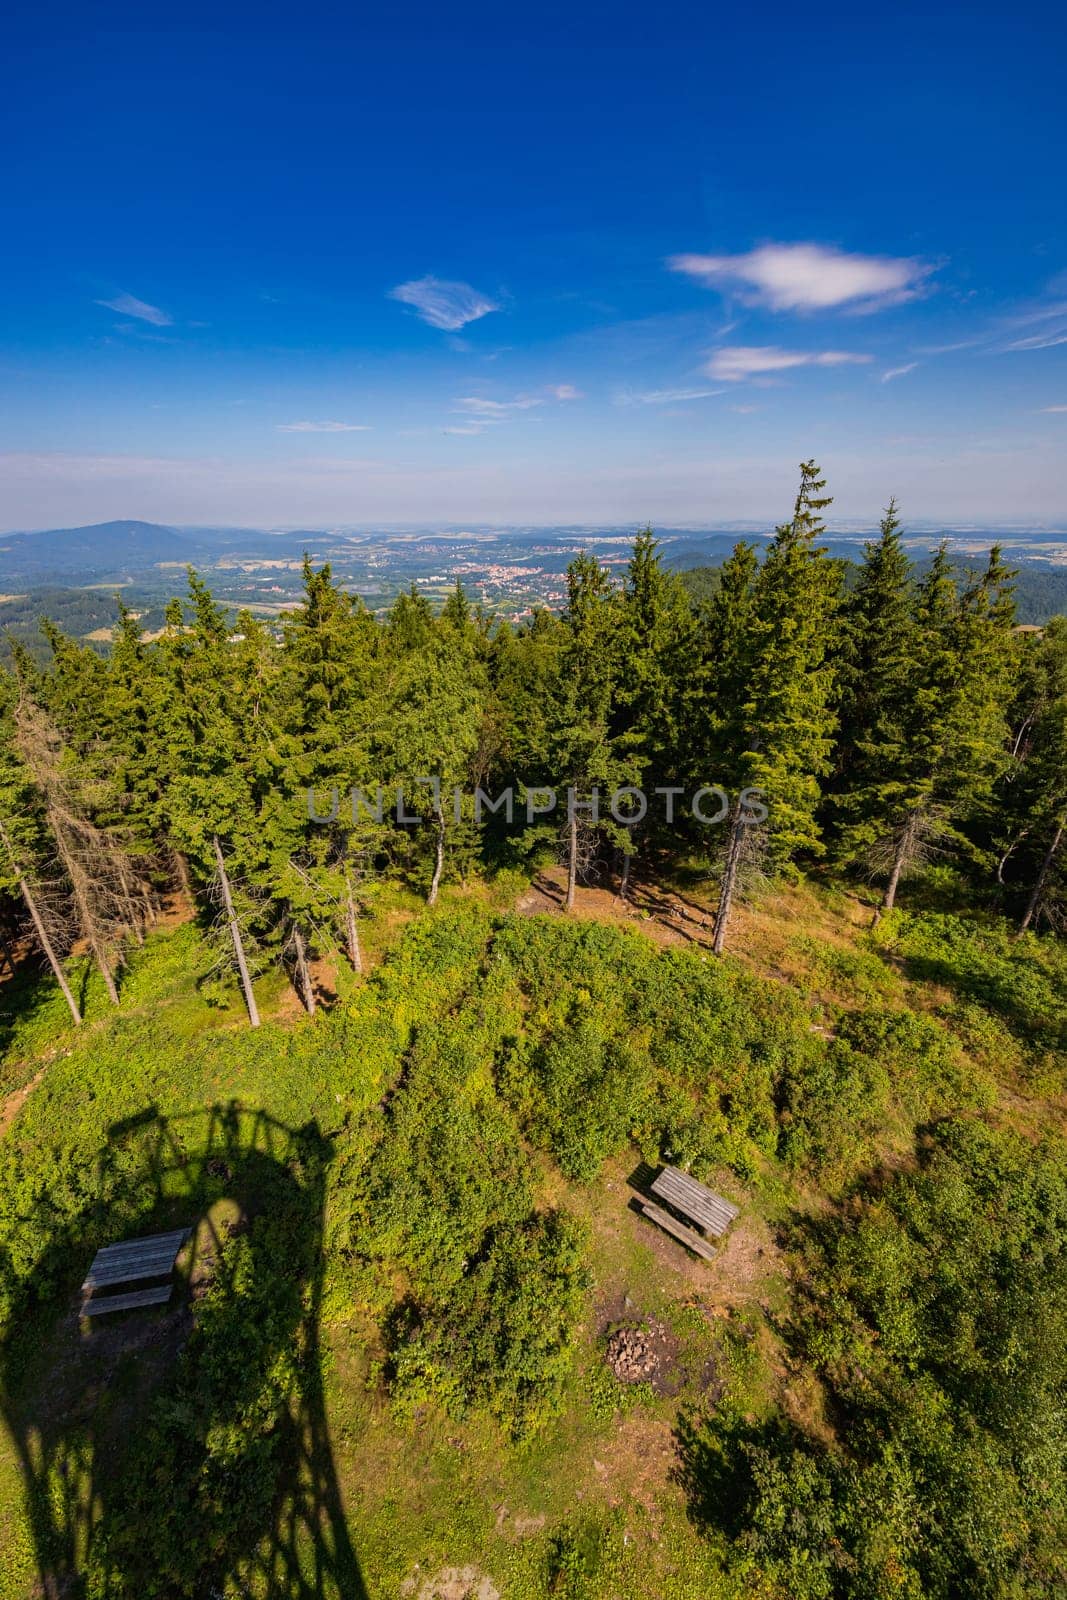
{"x":15,"y":1101}
{"x":663,"y":915}
{"x":747,"y":1257}
{"x":637,"y":1463}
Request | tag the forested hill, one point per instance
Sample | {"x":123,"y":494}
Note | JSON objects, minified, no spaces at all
{"x":882,"y":728}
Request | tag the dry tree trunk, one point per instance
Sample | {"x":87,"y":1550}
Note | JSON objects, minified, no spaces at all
{"x":909,"y":844}
{"x":81,"y":890}
{"x":355,"y":954}
{"x":439,"y":859}
{"x":235,"y":935}
{"x":95,"y":866}
{"x":38,"y":923}
{"x":181,"y":872}
{"x":307,"y":991}
{"x":132,"y":915}
{"x":572,"y":858}
{"x":729,"y":882}
{"x":1042,"y":877}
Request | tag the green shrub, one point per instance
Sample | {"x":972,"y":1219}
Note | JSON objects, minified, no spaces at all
{"x":503,"y":1336}
{"x":581,"y":1095}
{"x":937,"y":1318}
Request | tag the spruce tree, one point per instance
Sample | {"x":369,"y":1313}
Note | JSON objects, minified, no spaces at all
{"x":876,"y":670}
{"x":588,"y":764}
{"x":652,"y":667}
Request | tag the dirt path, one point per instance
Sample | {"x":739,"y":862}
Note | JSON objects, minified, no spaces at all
{"x":665,"y":915}
{"x":14,"y":1102}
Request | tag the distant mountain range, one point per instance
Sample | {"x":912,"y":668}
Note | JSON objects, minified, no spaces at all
{"x":508,"y":569}
{"x":116,"y":550}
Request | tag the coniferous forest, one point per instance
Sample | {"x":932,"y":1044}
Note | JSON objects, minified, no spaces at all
{"x":777,"y":896}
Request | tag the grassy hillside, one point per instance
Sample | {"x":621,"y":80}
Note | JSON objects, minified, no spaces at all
{"x":414,"y":1234}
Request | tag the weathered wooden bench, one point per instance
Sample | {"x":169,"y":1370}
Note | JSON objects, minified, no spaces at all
{"x":133,"y":1261}
{"x":695,"y":1201}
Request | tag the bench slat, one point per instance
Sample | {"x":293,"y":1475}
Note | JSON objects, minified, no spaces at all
{"x":691,"y":1240}
{"x":97,"y":1306}
{"x":145,"y":1242}
{"x":134,"y":1259}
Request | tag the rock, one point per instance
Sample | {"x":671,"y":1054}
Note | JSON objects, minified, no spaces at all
{"x":631,"y":1356}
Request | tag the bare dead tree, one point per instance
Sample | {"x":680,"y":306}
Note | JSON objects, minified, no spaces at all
{"x":99,"y":872}
{"x":580,"y":847}
{"x":355,"y":952}
{"x":1034,"y":905}
{"x":307,"y":988}
{"x":912,"y":843}
{"x":39,"y":924}
{"x":235,"y":934}
{"x":743,"y":870}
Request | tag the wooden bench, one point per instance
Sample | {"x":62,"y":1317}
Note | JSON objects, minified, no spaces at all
{"x":694,"y":1200}
{"x":132,"y":1261}
{"x":707,"y":1209}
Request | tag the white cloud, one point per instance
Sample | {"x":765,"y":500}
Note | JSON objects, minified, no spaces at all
{"x":468,"y":432}
{"x":127,"y":305}
{"x":810,"y":277}
{"x":322,"y":427}
{"x":445,"y":305}
{"x":735,"y":362}
{"x":899,"y":372}
{"x":565,"y":391}
{"x":474,"y":405}
{"x":1051,"y":411}
{"x":664,"y":397}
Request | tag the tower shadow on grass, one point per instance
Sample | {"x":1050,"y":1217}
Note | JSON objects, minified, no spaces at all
{"x":185,"y":1452}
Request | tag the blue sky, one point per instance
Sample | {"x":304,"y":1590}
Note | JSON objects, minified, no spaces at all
{"x":532,"y":263}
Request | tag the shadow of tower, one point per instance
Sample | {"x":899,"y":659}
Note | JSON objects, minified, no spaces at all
{"x":186,"y":1453}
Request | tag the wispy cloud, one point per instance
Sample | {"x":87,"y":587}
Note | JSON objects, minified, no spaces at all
{"x":664,"y":397}
{"x":899,"y":372}
{"x":477,"y":406}
{"x":444,"y":304}
{"x":127,"y":305}
{"x":1048,"y":319}
{"x":1048,"y":340}
{"x":469,"y":431}
{"x":734,"y":362}
{"x":1051,"y":411}
{"x":810,"y":277}
{"x":322,"y":427}
{"x":565,"y":391}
